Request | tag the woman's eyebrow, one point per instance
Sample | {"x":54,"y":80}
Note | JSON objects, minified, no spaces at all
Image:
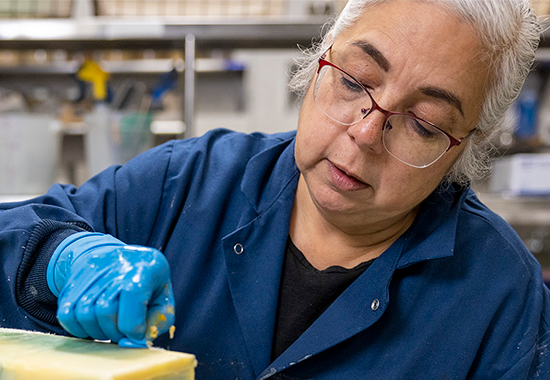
{"x":449,"y":97}
{"x":374,"y":53}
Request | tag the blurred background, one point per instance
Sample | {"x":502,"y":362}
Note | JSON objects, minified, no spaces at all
{"x":85,"y":84}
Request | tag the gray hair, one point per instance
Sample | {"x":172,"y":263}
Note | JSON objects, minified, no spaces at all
{"x":510,"y":32}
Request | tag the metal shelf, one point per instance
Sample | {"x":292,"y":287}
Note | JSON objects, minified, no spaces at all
{"x":138,"y":66}
{"x":62,"y":68}
{"x":103,"y":32}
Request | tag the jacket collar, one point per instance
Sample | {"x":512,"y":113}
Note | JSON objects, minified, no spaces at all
{"x":267,"y":173}
{"x":433,"y":233}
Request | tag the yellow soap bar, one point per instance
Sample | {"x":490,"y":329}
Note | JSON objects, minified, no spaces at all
{"x":26,"y":355}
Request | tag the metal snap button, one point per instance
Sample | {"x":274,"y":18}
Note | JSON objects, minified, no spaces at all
{"x":238,"y":248}
{"x":375,"y":304}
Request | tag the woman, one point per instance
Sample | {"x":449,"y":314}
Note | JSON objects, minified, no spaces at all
{"x":350,"y":249}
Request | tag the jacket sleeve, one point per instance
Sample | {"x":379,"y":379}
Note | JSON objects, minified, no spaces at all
{"x":122,"y":201}
{"x":535,"y":364}
{"x":540,"y":366}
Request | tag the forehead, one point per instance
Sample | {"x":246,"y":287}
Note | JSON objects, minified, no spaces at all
{"x":425,"y":30}
{"x":424,"y":45}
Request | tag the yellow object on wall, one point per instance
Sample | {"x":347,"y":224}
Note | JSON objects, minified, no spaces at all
{"x":91,"y":72}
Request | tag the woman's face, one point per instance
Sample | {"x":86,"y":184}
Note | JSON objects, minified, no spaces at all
{"x":417,"y":59}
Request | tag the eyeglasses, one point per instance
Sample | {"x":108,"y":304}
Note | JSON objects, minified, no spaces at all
{"x":413,"y":141}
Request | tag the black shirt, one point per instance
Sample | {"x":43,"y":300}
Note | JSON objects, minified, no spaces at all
{"x":305,"y":293}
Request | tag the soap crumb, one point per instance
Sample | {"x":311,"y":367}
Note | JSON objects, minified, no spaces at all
{"x":172,"y":331}
{"x":154,"y":332}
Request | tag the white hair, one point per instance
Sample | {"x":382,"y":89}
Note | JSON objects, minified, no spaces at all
{"x":510,"y":32}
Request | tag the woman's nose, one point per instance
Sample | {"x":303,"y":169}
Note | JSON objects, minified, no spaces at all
{"x":367,"y":133}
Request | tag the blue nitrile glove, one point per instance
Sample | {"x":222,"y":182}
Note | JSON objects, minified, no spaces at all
{"x":109,"y":290}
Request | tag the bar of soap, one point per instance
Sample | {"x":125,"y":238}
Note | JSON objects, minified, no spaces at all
{"x":26,"y":355}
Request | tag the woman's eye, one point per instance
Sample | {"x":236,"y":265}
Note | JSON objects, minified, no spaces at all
{"x":350,"y":84}
{"x":421,"y":130}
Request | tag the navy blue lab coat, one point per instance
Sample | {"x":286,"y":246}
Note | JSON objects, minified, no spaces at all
{"x":457,"y":296}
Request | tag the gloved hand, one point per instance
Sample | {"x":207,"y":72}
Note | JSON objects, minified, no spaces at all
{"x":109,"y":290}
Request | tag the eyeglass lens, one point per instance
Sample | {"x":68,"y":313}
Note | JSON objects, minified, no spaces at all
{"x":408,"y":139}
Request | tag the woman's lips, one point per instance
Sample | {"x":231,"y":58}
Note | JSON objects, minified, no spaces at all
{"x":344,"y":181}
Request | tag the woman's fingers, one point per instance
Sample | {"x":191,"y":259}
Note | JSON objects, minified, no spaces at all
{"x":107,"y":306}
{"x":161,"y":314}
{"x":67,"y":319}
{"x":132,"y":311}
{"x":85,"y":314}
